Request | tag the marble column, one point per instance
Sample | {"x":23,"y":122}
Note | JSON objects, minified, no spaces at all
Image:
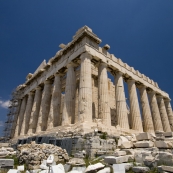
{"x":169,"y":112}
{"x":136,"y":121}
{"x":20,"y":117}
{"x":163,"y":114}
{"x":54,"y":118}
{"x":45,"y":107}
{"x":155,"y":112}
{"x":104,"y":108}
{"x":69,"y":100}
{"x":27,"y":114}
{"x":35,"y":111}
{"x":121,"y":109}
{"x":85,"y":89}
{"x":76,"y":103}
{"x":146,"y":113}
{"x":16,"y":117}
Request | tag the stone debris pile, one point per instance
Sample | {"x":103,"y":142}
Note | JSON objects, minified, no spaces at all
{"x":33,"y":154}
{"x":6,"y":150}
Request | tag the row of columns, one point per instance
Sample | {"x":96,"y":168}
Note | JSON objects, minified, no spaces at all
{"x":41,"y":111}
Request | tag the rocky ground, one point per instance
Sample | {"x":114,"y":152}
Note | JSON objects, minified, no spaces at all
{"x":102,"y":153}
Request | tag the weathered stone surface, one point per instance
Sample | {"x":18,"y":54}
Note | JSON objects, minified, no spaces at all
{"x":150,"y":161}
{"x":79,"y":169}
{"x":135,"y":117}
{"x":32,"y":154}
{"x":168,"y":134}
{"x":164,"y":158}
{"x":105,"y":170}
{"x":57,"y":168}
{"x":76,"y":161}
{"x":143,"y":144}
{"x":94,"y":167}
{"x":115,"y":160}
{"x":167,"y":168}
{"x":140,"y":156}
{"x":119,"y":168}
{"x":127,"y":166}
{"x":13,"y":171}
{"x":120,"y":153}
{"x":127,"y":144}
{"x":6,"y":163}
{"x":140,"y":169}
{"x":4,"y":145}
{"x":143,"y":136}
{"x":164,"y":144}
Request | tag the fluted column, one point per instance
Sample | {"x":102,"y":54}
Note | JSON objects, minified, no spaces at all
{"x":35,"y":111}
{"x":169,"y":112}
{"x":76,"y":103}
{"x":16,"y":117}
{"x":121,"y":109}
{"x":155,"y":112}
{"x":134,"y":106}
{"x":69,"y":100}
{"x":27,"y":114}
{"x":146,"y":113}
{"x":163,"y":114}
{"x":104,"y":108}
{"x":45,"y":107}
{"x":85,"y":89}
{"x":54,"y":118}
{"x":20,"y":117}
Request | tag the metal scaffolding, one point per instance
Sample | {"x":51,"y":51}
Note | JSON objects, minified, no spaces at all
{"x":12,"y":116}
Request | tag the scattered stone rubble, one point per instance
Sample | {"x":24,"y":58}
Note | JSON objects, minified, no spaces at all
{"x":33,"y":154}
{"x":140,"y":153}
{"x":6,"y":150}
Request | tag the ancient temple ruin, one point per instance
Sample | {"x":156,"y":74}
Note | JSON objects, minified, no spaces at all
{"x":72,"y":92}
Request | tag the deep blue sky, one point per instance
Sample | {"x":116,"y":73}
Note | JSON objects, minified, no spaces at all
{"x":140,"y":32}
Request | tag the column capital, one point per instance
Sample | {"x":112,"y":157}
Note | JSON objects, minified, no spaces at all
{"x":31,"y":93}
{"x":131,"y":80}
{"x":38,"y":88}
{"x":86,"y":55}
{"x":103,"y":64}
{"x":152,"y":92}
{"x":167,"y":99}
{"x":159,"y":97}
{"x":47,"y":81}
{"x":58,"y":74}
{"x":142,"y":86}
{"x":118,"y":73}
{"x":71,"y":64}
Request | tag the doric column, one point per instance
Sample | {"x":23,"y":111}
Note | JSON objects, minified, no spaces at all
{"x":146,"y":113}
{"x":76,"y":103}
{"x":16,"y":117}
{"x":169,"y":112}
{"x":155,"y":112}
{"x":121,"y":109}
{"x":27,"y":114}
{"x":136,"y":121}
{"x":85,"y":89}
{"x":69,"y":100}
{"x":104,"y":108}
{"x":54,"y":118}
{"x":45,"y":107}
{"x":20,"y":117}
{"x":163,"y":114}
{"x":35,"y":111}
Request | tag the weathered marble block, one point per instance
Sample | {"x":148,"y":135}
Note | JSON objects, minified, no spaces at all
{"x":6,"y":163}
{"x":143,"y":136}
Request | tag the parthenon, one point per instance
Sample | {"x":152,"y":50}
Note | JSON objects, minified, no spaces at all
{"x":72,"y":91}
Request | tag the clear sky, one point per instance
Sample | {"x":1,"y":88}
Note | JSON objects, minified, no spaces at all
{"x":140,"y":32}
